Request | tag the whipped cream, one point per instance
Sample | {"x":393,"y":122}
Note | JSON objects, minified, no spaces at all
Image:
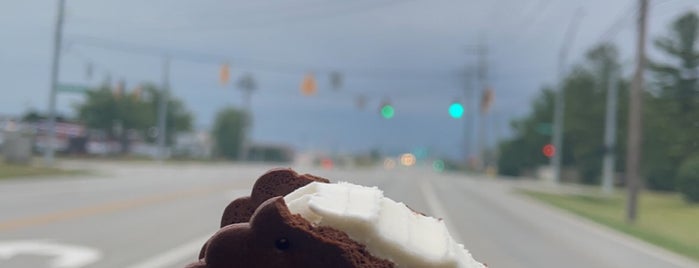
{"x":389,"y":229}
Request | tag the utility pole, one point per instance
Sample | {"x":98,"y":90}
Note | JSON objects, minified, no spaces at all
{"x":610,"y":121}
{"x":55,"y":66}
{"x":162,"y":109}
{"x":482,"y":84}
{"x":559,"y":107}
{"x":633,"y":152}
{"x":474,"y":97}
{"x":468,"y":119}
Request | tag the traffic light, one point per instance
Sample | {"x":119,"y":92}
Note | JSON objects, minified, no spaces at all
{"x":224,"y":74}
{"x":438,"y":165}
{"x":336,"y":80}
{"x":387,"y":111}
{"x":456,"y":110}
{"x":308,"y":85}
{"x":549,"y":150}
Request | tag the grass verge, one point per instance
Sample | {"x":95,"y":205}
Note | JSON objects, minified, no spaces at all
{"x":13,"y":171}
{"x":664,"y":219}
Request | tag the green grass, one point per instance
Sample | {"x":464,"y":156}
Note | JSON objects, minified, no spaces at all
{"x":664,"y":219}
{"x":13,"y":171}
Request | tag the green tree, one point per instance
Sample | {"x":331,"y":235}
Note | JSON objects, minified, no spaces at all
{"x":671,"y":111}
{"x":118,"y":113}
{"x":688,"y":179}
{"x":229,"y":132}
{"x":178,"y":118}
{"x":677,"y":80}
{"x":586,"y":97}
{"x":585,"y":92}
{"x":531,"y":134}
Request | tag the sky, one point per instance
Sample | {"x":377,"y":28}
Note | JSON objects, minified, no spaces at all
{"x":411,"y":53}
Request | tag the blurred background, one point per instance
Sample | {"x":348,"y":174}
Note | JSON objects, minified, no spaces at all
{"x":570,"y":128}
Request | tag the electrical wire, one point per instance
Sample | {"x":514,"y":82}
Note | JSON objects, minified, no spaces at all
{"x":622,"y":20}
{"x":278,"y":67}
{"x":295,"y":18}
{"x":323,"y":14}
{"x":626,"y":18}
{"x":528,"y":19}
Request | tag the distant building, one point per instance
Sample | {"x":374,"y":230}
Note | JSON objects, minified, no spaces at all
{"x":71,"y":137}
{"x":198,"y":144}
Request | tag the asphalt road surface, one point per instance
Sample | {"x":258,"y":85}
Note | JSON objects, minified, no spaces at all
{"x":146,"y":215}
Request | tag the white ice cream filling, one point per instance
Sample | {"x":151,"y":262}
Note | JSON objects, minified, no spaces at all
{"x":388,"y":229}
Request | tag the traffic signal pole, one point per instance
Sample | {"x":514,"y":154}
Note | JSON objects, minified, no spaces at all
{"x":49,"y":151}
{"x":482,"y":84}
{"x":610,"y":122}
{"x":559,"y":106}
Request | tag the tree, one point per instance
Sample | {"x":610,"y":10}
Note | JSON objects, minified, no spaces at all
{"x":678,"y":81}
{"x":688,"y":179}
{"x":229,"y":132}
{"x":531,"y":133}
{"x":583,"y":148}
{"x":33,"y":116}
{"x":178,"y":118}
{"x":586,"y":109}
{"x":672,"y":107}
{"x":118,"y":113}
{"x":671,"y":113}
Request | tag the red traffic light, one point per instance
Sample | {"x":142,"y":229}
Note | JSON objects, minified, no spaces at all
{"x":549,"y":150}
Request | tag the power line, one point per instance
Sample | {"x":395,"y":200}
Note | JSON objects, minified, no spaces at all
{"x":94,"y":65}
{"x":543,"y":6}
{"x":312,"y":16}
{"x":278,"y":67}
{"x":525,"y":27}
{"x":625,"y":18}
{"x":298,"y":17}
{"x":621,"y":21}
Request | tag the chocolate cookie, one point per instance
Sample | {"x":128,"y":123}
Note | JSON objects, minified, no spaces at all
{"x":276,"y":238}
{"x":276,"y":182}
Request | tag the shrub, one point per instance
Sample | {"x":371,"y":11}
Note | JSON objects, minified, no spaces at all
{"x":688,"y":179}
{"x":662,"y":178}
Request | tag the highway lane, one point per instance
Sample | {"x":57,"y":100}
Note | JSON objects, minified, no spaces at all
{"x":127,"y":212}
{"x":506,"y":229}
{"x":139,"y":215}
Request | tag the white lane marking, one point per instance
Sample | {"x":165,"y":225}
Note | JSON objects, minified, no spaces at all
{"x":438,"y":210}
{"x":175,"y":255}
{"x":65,"y":256}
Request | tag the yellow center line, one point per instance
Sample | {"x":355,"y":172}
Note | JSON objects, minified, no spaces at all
{"x":81,"y":212}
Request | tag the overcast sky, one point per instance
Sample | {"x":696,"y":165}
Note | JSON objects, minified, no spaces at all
{"x":411,"y":53}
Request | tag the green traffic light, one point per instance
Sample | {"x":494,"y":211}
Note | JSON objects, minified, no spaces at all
{"x":438,"y":165}
{"x":387,"y":111}
{"x":456,"y":110}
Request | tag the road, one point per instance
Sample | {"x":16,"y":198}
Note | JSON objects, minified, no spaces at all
{"x":147,"y":215}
